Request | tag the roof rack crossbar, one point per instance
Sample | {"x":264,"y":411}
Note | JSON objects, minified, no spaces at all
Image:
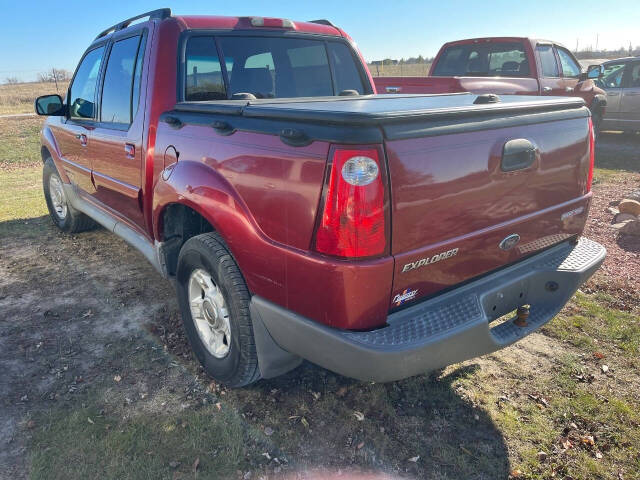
{"x":159,"y":14}
{"x":323,"y":21}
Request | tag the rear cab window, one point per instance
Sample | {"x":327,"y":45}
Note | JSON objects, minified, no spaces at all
{"x":492,"y":59}
{"x":268,"y":67}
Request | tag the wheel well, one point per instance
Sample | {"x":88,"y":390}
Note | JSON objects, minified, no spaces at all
{"x":44,"y":153}
{"x":179,"y":224}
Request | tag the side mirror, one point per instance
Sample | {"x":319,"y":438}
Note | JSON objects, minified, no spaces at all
{"x":595,"y":71}
{"x":50,"y":105}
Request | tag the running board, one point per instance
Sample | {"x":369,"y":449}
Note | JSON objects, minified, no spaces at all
{"x":150,"y":251}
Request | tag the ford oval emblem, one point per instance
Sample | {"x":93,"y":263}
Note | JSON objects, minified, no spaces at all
{"x":510,"y":242}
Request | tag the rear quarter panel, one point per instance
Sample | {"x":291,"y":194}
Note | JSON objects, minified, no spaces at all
{"x":262,"y":196}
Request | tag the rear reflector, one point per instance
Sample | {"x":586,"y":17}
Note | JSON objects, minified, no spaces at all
{"x":592,"y":154}
{"x":353,"y":215}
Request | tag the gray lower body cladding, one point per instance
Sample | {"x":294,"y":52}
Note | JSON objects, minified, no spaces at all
{"x":449,"y":328}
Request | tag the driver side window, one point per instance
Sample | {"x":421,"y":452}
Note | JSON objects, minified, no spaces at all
{"x":570,"y":67}
{"x":612,"y":76}
{"x":82,"y":93}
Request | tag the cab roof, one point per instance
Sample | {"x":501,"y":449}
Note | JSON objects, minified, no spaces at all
{"x":193,"y":22}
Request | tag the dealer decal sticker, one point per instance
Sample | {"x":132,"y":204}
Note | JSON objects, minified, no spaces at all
{"x":405,"y":296}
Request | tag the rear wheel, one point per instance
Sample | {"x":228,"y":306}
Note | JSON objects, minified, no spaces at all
{"x":62,"y":213}
{"x":214,"y":303}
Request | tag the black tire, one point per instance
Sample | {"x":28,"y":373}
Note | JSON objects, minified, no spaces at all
{"x":73,"y":220}
{"x":239,"y":367}
{"x":596,"y":118}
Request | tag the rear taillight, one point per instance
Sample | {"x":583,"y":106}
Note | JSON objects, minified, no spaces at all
{"x":353,"y":215}
{"x":592,"y":154}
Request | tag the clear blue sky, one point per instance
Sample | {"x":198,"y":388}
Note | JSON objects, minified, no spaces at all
{"x":36,"y":36}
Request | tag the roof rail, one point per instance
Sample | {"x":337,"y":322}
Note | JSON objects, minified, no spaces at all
{"x":159,"y":14}
{"x":322,"y":21}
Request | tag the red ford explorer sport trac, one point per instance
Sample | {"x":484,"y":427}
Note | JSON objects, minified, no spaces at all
{"x":302,"y":216}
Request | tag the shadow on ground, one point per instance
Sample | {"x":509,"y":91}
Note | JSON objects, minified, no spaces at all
{"x":97,"y":377}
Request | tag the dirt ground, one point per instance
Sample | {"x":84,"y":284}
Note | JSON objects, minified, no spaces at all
{"x":91,"y":344}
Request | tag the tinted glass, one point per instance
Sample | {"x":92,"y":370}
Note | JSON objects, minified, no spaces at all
{"x":204,"y":79}
{"x":82,"y":93}
{"x":137,"y":78}
{"x":270,"y":67}
{"x":496,"y":59}
{"x":634,"y":78}
{"x":570,"y":67}
{"x":547,"y":61}
{"x":612,"y":75}
{"x":118,"y":81}
{"x":346,"y":71}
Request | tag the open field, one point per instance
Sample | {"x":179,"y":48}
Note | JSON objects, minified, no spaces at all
{"x":98,"y":380}
{"x":406,"y":70}
{"x":19,"y":98}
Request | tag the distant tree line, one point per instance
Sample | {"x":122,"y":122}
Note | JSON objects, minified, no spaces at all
{"x":54,"y":75}
{"x":590,"y":52}
{"x":403,"y":61}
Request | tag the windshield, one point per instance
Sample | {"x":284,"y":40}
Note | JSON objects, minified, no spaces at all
{"x":268,"y":67}
{"x":493,"y":59}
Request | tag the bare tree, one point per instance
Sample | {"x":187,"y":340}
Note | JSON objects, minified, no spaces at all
{"x":11,"y":80}
{"x":55,"y":75}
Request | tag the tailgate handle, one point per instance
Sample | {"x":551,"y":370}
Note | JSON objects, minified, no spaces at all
{"x":517,"y":154}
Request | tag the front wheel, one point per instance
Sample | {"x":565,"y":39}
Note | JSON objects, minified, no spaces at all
{"x":214,"y":303}
{"x":596,"y":118}
{"x":62,"y":213}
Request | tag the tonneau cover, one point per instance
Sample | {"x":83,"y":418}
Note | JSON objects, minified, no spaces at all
{"x":380,"y":109}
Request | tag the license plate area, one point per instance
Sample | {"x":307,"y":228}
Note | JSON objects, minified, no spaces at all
{"x":506,"y":299}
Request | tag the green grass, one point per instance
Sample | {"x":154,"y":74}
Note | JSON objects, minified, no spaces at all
{"x":23,"y":210}
{"x":82,"y":443}
{"x":19,"y":141}
{"x":591,"y":320}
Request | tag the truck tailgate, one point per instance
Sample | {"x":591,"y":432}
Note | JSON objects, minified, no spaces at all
{"x":464,"y":204}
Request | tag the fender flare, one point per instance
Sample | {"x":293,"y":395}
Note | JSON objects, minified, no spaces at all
{"x":205,"y":191}
{"x":48,"y":142}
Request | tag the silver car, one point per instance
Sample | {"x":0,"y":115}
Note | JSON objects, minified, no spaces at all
{"x":621,"y":80}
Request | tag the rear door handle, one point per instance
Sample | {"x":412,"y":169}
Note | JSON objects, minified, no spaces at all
{"x":393,"y":89}
{"x":568,"y":89}
{"x":612,"y":94}
{"x":83,"y":139}
{"x":546,"y":89}
{"x":130,"y":150}
{"x":517,"y":154}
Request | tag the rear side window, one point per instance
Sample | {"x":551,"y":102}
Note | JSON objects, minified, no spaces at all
{"x":547,"y":61}
{"x":82,"y":93}
{"x":268,"y":67}
{"x":204,"y":79}
{"x":570,"y":67}
{"x":493,"y":59}
{"x":118,"y":88}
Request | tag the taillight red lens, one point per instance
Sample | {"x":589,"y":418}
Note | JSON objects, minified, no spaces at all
{"x":592,"y":154}
{"x":353,"y":218}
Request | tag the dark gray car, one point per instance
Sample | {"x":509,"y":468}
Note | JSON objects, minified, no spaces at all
{"x":621,"y":81}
